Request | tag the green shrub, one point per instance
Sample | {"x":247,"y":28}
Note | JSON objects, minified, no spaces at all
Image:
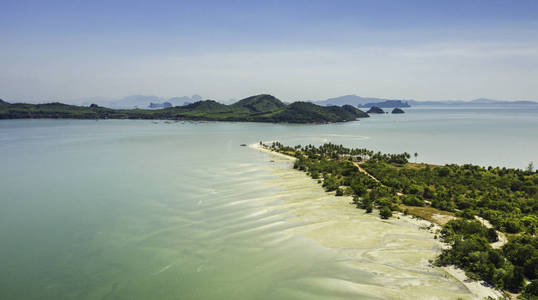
{"x":385,"y":212}
{"x":412,"y":200}
{"x":531,"y":290}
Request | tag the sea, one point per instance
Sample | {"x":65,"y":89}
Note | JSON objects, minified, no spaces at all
{"x":146,"y":209}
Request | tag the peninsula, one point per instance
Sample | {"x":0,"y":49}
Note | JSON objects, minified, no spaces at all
{"x":478,"y":208}
{"x":259,"y":108}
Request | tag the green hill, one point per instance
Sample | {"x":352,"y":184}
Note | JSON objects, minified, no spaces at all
{"x":306,"y":112}
{"x":259,"y":103}
{"x":205,"y":106}
{"x":260,"y":108}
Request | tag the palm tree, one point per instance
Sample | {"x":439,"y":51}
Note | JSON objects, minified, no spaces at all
{"x":530,"y":167}
{"x":416,"y":155}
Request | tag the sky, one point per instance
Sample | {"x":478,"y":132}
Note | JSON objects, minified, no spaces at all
{"x":296,"y":50}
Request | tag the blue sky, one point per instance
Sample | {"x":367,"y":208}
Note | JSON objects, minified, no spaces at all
{"x":296,"y":50}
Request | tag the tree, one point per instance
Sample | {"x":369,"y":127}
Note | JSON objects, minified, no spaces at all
{"x":513,"y":281}
{"x":385,"y":212}
{"x":369,"y":207}
{"x":531,"y":290}
{"x":339,"y":192}
{"x":530,"y":167}
{"x":416,"y":155}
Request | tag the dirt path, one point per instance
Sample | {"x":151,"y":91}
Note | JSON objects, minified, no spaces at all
{"x":501,"y":236}
{"x":364,"y":171}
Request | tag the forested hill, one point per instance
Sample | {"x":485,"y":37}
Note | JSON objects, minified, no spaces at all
{"x":259,"y":108}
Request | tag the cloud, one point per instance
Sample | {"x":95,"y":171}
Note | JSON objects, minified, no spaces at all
{"x":476,"y":51}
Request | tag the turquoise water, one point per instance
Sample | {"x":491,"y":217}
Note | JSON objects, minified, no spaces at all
{"x":123,"y":209}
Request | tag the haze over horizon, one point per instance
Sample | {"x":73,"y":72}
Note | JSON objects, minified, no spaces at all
{"x":421,"y":50}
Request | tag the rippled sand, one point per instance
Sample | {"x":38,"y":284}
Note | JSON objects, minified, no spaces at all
{"x":393,"y":254}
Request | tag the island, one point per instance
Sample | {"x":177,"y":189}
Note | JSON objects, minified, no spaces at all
{"x":259,"y":108}
{"x":398,"y":111}
{"x":489,"y":216}
{"x":375,"y":110}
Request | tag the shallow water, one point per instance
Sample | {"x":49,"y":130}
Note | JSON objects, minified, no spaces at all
{"x":137,"y":210}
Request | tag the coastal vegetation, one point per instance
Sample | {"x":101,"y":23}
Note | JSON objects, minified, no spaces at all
{"x":481,"y":203}
{"x":260,"y":108}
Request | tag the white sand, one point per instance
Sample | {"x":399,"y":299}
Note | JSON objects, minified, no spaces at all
{"x":478,"y":288}
{"x":257,"y":146}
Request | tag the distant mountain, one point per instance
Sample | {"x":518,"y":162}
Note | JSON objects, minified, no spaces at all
{"x":160,"y":105}
{"x":386,"y":104}
{"x":484,"y":101}
{"x":178,"y":101}
{"x":141,"y":101}
{"x":419,"y":103}
{"x":390,"y":103}
{"x":349,"y":99}
{"x":259,"y":108}
{"x":480,"y":101}
{"x":504,"y":102}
